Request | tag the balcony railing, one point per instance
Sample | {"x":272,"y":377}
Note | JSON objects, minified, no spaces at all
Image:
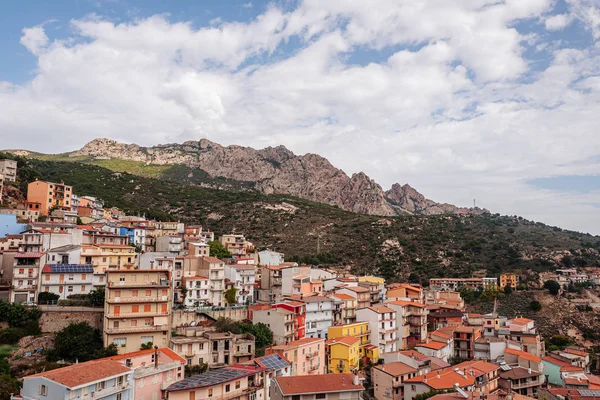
{"x":25,"y":287}
{"x":133,"y":329}
{"x":160,"y":299}
{"x":314,"y":367}
{"x":161,"y":283}
{"x":312,"y":354}
{"x":137,"y":315}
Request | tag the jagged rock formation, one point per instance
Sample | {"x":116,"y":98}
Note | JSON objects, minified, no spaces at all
{"x":278,"y":170}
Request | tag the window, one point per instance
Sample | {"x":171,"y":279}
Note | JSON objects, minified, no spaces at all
{"x":115,"y":324}
{"x":120,"y":396}
{"x":296,"y":397}
{"x":83,"y":288}
{"x":120,"y":342}
{"x":21,"y":270}
{"x":134,"y":293}
{"x":100,"y":385}
{"x":146,"y":307}
{"x":201,"y":346}
{"x":227,"y":388}
{"x":135,"y":308}
{"x":69,"y":288}
{"x":210,"y":392}
{"x":321,"y":396}
{"x":43,"y":390}
{"x":148,"y":322}
{"x":134,"y":322}
{"x":237,"y":384}
{"x":148,"y":293}
{"x":47,"y":277}
{"x":117,"y":293}
{"x":71,"y":277}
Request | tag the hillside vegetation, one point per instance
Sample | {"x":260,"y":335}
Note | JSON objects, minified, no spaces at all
{"x":403,"y":247}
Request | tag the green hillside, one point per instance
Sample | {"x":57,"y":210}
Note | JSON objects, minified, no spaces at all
{"x":415,"y":247}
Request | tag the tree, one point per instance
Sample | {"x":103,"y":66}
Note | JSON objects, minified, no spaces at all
{"x":535,"y":305}
{"x":47,"y":297}
{"x":8,"y":385}
{"x":230,"y":295}
{"x":467,"y":294}
{"x":552,"y":286}
{"x":191,"y":370}
{"x":97,"y":297}
{"x":79,"y":341}
{"x":507,"y":290}
{"x":79,"y":221}
{"x":218,"y":250}
{"x":223,"y":324}
{"x":263,"y":336}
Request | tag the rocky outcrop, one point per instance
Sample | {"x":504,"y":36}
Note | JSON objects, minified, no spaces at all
{"x":278,"y":170}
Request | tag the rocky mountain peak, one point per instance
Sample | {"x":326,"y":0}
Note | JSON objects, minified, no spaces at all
{"x":279,"y":170}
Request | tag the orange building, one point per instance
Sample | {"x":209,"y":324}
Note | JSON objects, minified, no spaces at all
{"x":50,"y":195}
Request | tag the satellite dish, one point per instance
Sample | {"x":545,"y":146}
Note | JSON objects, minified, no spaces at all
{"x":193,"y":323}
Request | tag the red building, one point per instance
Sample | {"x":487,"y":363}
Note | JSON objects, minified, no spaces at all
{"x":299,"y":310}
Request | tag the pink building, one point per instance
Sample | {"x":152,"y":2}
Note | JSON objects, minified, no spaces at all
{"x":153,"y":371}
{"x":307,"y":355}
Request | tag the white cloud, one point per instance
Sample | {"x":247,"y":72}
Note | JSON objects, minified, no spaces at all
{"x":247,"y":5}
{"x":557,"y":22}
{"x":447,"y":111}
{"x":588,"y":12}
{"x":34,"y":39}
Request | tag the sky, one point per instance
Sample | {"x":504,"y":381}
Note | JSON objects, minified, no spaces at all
{"x":496,"y":101}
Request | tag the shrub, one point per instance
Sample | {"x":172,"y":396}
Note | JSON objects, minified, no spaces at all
{"x":47,"y":297}
{"x":552,"y":286}
{"x":535,"y":305}
{"x":11,"y":335}
{"x":74,"y":303}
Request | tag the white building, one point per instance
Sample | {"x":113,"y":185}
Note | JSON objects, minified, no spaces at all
{"x":270,"y":258}
{"x":68,"y":279}
{"x":432,"y":348}
{"x":69,"y":254}
{"x":243,"y":278}
{"x":382,"y":326}
{"x":319,"y":316}
{"x":197,"y":291}
{"x":214,"y":270}
{"x":26,"y":275}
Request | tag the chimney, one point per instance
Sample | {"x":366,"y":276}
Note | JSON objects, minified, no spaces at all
{"x":427,"y":339}
{"x":355,"y":380}
{"x":424,"y":378}
{"x":155,"y":356}
{"x":438,"y":374}
{"x":529,"y":371}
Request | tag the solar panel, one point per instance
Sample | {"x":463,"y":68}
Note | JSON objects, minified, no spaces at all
{"x":589,"y":393}
{"x":274,"y":362}
{"x":70,"y":268}
{"x":209,"y":378}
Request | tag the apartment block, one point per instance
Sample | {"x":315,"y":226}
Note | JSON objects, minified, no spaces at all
{"x":347,"y":313}
{"x":214,"y":270}
{"x":388,"y":380}
{"x":404,"y":291}
{"x":68,"y":279}
{"x":271,"y":284}
{"x":237,"y":245}
{"x":279,"y":320}
{"x":328,"y":387}
{"x":298,"y":310}
{"x":359,"y":330}
{"x":8,"y":168}
{"x":464,"y":341}
{"x":361,"y":294}
{"x":235,"y":382}
{"x":217,"y":349}
{"x":508,"y":280}
{"x":411,"y":321}
{"x":319,"y":315}
{"x":343,"y":354}
{"x":306,"y":355}
{"x":243,"y":278}
{"x":137,"y":308}
{"x":50,"y":195}
{"x":197,"y":294}
{"x":26,"y":275}
{"x":382,"y":327}
{"x":98,"y":379}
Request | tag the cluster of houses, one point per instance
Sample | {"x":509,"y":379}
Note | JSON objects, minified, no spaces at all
{"x":333,"y":333}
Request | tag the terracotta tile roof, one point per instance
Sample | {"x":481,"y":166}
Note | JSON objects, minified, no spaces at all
{"x":29,"y":255}
{"x":565,"y":366}
{"x":345,"y":340}
{"x":479,"y":365}
{"x":83,"y":373}
{"x":213,"y":260}
{"x":576,"y":382}
{"x":299,"y":342}
{"x":518,"y":373}
{"x":522,"y":354}
{"x":520,"y":321}
{"x":343,"y":296}
{"x":467,"y":329}
{"x":405,"y":303}
{"x":443,"y":379}
{"x":326,"y":383}
{"x":396,"y":369}
{"x":293,"y":303}
{"x":432,"y":345}
{"x":380,"y":309}
{"x":165,"y":350}
{"x":357,"y":289}
{"x":576,"y":352}
{"x":442,"y":334}
{"x":314,"y":299}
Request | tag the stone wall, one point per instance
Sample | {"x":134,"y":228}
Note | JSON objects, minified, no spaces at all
{"x":181,"y":318}
{"x":55,"y":318}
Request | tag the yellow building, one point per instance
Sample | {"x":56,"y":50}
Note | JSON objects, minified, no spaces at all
{"x":105,"y":256}
{"x":137,"y":309}
{"x":372,"y":279}
{"x":359,"y":330}
{"x":343,"y":354}
{"x":508,"y":280}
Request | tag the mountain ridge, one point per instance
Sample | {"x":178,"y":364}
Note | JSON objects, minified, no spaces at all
{"x":275,"y":170}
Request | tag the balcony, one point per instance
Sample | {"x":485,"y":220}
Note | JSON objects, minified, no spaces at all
{"x":109,"y":391}
{"x":161,"y":284}
{"x":24,"y":287}
{"x":138,"y":314}
{"x":126,"y":300}
{"x":26,"y":275}
{"x":315,"y":367}
{"x":312,"y":354}
{"x":134,"y":329}
{"x":276,"y":282}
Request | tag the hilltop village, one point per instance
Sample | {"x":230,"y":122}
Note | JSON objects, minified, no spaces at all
{"x":187,"y":313}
